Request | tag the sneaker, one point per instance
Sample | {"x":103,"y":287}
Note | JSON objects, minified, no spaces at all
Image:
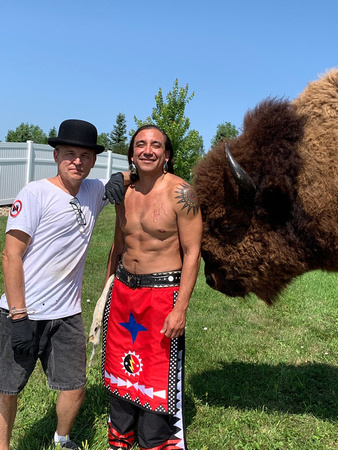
{"x":69,"y":444}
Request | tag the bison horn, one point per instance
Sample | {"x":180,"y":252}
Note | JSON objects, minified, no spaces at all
{"x":247,"y":187}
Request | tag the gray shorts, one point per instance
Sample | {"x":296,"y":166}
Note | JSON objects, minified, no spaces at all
{"x":60,"y":345}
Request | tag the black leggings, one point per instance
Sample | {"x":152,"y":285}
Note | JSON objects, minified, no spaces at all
{"x":154,"y":429}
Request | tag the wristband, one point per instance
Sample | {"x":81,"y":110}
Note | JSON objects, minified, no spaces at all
{"x":14,"y":312}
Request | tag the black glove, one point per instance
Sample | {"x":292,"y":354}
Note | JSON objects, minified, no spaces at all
{"x":114,"y":189}
{"x":22,"y":336}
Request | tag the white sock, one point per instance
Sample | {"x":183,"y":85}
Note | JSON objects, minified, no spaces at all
{"x":58,"y":438}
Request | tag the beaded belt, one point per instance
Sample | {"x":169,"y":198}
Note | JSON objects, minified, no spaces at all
{"x":161,"y":279}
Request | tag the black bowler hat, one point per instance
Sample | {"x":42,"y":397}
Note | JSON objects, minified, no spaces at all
{"x":78,"y":133}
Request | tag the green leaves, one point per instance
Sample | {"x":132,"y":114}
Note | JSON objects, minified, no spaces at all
{"x":118,"y":136}
{"x":116,"y":140}
{"x":225,"y":130}
{"x":25,"y":132}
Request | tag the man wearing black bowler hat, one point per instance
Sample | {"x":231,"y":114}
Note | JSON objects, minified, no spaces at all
{"x":47,"y":237}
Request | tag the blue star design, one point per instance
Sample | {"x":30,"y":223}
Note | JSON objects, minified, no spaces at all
{"x":133,"y":326}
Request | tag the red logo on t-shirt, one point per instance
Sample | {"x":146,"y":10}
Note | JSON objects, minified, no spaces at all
{"x":16,"y":208}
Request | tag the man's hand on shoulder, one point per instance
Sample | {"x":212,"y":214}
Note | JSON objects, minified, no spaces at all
{"x":114,"y":189}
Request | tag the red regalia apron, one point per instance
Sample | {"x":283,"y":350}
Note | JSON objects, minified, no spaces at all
{"x":140,"y":364}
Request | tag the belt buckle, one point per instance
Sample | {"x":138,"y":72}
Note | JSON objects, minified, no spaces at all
{"x":133,"y":282}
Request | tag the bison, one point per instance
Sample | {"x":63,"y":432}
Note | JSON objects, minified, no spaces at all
{"x":269,"y":197}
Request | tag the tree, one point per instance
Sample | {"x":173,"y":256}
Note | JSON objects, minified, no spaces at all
{"x":103,"y":139}
{"x":25,"y":132}
{"x":118,"y":136}
{"x":224,"y":130}
{"x":52,"y":133}
{"x":169,"y":116}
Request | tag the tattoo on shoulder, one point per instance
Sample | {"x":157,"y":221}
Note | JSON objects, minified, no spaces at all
{"x":187,"y":196}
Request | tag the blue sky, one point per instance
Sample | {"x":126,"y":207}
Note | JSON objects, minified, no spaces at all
{"x":93,"y":59}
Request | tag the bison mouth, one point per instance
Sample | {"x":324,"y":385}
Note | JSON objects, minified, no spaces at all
{"x":217,"y":281}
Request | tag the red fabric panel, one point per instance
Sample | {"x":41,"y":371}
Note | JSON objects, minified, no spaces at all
{"x":137,"y":354}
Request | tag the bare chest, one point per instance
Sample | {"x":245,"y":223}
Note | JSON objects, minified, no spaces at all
{"x":149,"y":215}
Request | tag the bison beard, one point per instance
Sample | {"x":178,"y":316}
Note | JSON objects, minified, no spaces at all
{"x":289,"y":227}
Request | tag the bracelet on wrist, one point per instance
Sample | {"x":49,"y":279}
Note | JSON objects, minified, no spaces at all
{"x":15,"y":312}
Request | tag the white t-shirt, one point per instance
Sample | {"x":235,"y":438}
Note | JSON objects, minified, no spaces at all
{"x":54,"y":261}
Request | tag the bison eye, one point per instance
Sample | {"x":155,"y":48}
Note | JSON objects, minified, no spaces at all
{"x":228,"y":228}
{"x":221,"y":228}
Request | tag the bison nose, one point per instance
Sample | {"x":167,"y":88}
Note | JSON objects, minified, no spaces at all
{"x":210,"y":281}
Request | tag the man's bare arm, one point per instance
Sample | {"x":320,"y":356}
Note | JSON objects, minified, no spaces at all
{"x":15,"y":247}
{"x":189,"y":223}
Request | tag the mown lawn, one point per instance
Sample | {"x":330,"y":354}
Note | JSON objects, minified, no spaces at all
{"x":256,"y":377}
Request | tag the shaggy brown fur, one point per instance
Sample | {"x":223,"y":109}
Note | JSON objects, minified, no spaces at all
{"x":290,"y":152}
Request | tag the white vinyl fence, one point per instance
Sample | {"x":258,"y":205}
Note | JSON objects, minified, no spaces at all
{"x":21,"y":163}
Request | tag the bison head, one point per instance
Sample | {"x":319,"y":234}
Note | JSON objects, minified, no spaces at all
{"x":247,"y":191}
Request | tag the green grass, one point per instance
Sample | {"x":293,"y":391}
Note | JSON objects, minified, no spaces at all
{"x":256,"y":377}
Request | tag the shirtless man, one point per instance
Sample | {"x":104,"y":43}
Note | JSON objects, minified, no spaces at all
{"x":156,"y":258}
